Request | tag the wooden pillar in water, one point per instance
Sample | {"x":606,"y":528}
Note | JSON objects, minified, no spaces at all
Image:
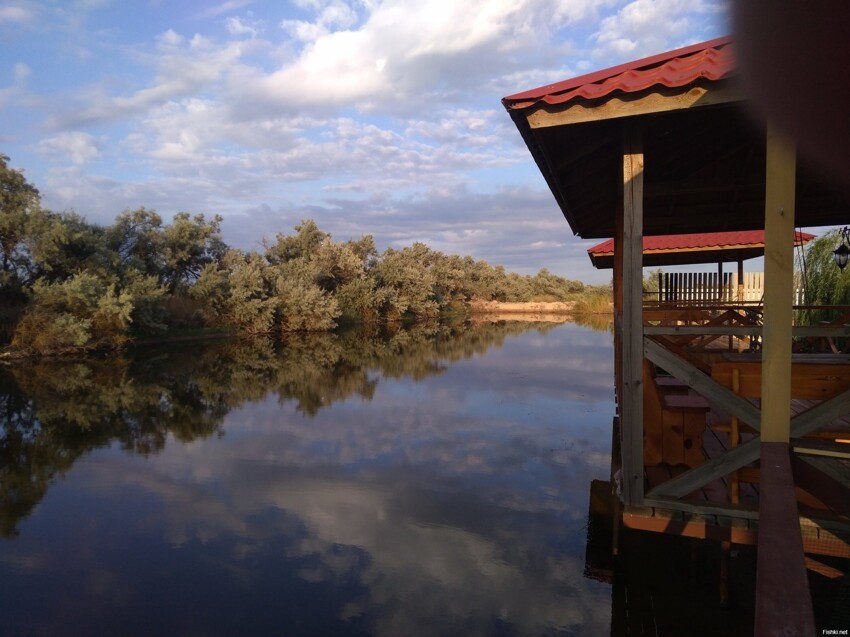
{"x":631,"y":404}
{"x":783,"y":601}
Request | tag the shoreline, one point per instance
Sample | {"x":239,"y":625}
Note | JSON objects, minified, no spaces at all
{"x":530,"y":311}
{"x":529,"y":307}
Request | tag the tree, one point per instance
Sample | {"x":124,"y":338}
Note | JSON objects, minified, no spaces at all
{"x":362,"y":299}
{"x":333,"y":265}
{"x":364,"y":248}
{"x":135,"y":239}
{"x":407,"y":276}
{"x":650,"y":280}
{"x":824,"y":282}
{"x":64,"y":244}
{"x":248,"y":294}
{"x":302,"y":245}
{"x":188,"y":244}
{"x":18,"y":201}
{"x":83,"y":311}
{"x":302,"y":304}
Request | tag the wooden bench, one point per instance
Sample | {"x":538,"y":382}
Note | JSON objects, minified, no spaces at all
{"x":670,"y":382}
{"x":685,"y":402}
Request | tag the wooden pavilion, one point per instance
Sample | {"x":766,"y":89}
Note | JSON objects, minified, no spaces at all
{"x":667,"y":145}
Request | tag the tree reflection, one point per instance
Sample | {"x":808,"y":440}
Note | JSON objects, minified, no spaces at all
{"x":53,"y":412}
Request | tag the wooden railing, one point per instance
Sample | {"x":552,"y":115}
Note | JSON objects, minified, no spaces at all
{"x":712,"y":287}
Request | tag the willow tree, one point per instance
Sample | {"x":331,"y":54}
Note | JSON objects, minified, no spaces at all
{"x":19,"y":201}
{"x":824,"y":282}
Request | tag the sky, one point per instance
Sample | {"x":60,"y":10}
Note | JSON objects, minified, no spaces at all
{"x":377,"y":117}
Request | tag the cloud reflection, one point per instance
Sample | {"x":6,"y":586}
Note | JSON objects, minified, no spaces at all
{"x":452,"y":504}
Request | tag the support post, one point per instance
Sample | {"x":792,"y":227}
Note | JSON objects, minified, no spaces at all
{"x":740,"y":280}
{"x":632,"y":358}
{"x":718,"y":294}
{"x":778,"y":287}
{"x":783,"y":602}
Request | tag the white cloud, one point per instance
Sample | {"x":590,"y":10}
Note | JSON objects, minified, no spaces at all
{"x":225,"y":7}
{"x":644,"y":27}
{"x":411,"y":52}
{"x":21,"y":72}
{"x":241,"y":26}
{"x":184,"y":68}
{"x":16,"y":13}
{"x":76,"y":147}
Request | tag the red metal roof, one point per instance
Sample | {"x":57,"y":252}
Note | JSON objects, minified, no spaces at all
{"x":696,"y":242}
{"x":712,"y":60}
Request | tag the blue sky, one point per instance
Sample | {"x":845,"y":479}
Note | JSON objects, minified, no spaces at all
{"x":369,"y":116}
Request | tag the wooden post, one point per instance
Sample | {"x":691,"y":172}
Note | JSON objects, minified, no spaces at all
{"x":617,"y":284}
{"x":783,"y":602}
{"x":779,"y":283}
{"x":732,"y":441}
{"x":740,"y":280}
{"x":632,"y":402}
{"x":719,"y":292}
{"x":660,"y":287}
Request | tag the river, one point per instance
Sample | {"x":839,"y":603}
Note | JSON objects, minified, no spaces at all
{"x":424,"y":481}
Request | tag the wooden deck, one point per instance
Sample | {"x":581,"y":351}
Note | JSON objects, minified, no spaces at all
{"x":703,"y":475}
{"x":727,"y":507}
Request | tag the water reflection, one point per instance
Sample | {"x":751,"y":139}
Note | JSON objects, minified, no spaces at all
{"x":429,"y":481}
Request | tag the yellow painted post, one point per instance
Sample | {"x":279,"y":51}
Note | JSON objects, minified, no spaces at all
{"x":778,"y":287}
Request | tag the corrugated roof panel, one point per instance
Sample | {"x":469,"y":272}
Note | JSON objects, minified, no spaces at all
{"x":703,"y":241}
{"x":713,"y":60}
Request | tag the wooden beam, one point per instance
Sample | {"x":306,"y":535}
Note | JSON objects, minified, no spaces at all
{"x":703,"y":508}
{"x":629,"y":105}
{"x":823,"y":330}
{"x":816,"y":477}
{"x":632,"y":359}
{"x":700,"y":529}
{"x":821,"y":414}
{"x":822,"y":448}
{"x":743,"y":330}
{"x":783,"y":601}
{"x":692,"y":330}
{"x":779,"y":284}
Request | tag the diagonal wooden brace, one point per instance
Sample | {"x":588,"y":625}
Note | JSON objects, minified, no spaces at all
{"x":740,"y":456}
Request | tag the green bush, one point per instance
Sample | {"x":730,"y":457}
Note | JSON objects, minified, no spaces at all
{"x":82,"y":312}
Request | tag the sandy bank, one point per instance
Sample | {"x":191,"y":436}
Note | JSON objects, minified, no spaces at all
{"x":557,"y":312}
{"x":559,"y":308}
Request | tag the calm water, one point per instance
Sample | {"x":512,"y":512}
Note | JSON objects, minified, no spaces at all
{"x":428,"y":482}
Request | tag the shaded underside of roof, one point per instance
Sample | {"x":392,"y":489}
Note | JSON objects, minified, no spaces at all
{"x":704,"y":166}
{"x":686,"y":249}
